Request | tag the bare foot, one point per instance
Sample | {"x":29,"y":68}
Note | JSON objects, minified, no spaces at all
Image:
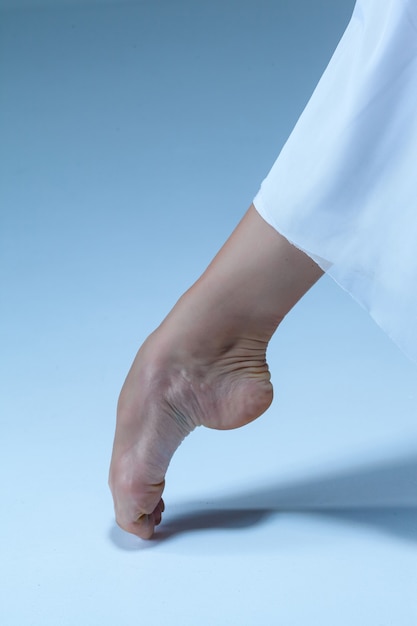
{"x":205,"y":365}
{"x":169,"y":391}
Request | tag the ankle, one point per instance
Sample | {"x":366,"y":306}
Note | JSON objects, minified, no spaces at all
{"x":208,"y":322}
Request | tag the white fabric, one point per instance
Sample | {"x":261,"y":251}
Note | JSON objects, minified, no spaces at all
{"x":344,"y":188}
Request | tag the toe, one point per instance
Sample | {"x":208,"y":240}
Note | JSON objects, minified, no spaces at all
{"x":158,"y":512}
{"x":144,"y":526}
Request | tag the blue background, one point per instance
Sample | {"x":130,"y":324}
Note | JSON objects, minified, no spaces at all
{"x":133,"y":138}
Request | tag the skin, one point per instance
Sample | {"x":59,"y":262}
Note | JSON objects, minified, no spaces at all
{"x":205,"y":364}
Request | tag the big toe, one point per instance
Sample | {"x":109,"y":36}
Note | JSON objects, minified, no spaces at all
{"x":138,"y":506}
{"x":144,"y":525}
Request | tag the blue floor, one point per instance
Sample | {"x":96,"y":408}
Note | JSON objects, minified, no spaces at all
{"x":133,"y":138}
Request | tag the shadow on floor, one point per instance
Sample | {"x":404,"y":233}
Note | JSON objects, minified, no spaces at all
{"x":382,"y":496}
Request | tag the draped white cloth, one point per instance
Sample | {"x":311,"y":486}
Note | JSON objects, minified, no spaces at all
{"x":344,"y":188}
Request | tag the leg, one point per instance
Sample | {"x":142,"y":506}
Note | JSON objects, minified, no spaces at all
{"x":205,"y":364}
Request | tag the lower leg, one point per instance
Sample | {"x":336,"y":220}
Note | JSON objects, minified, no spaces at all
{"x":205,"y":364}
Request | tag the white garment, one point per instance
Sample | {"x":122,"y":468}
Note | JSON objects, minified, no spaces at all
{"x":344,"y":188}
